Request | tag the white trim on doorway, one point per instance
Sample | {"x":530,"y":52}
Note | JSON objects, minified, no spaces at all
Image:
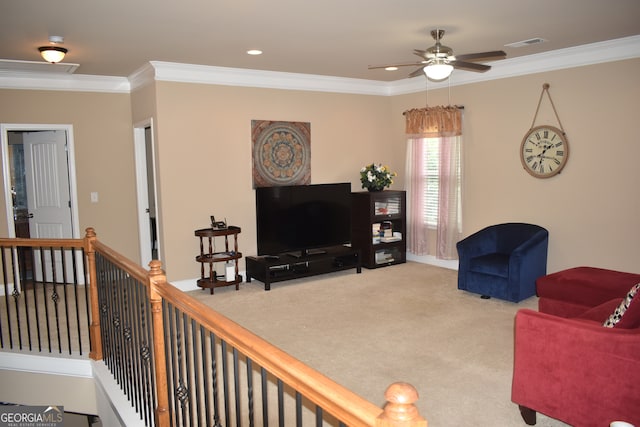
{"x":5,"y":128}
{"x":142,"y":188}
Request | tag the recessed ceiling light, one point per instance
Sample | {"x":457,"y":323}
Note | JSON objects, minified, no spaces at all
{"x":254,"y":52}
{"x":391,"y":68}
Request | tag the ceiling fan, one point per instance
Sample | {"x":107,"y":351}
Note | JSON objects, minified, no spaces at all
{"x":438,"y":61}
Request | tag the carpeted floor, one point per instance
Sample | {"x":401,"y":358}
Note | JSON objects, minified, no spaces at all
{"x":407,"y":322}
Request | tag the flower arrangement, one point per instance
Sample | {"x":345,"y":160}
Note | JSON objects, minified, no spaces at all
{"x":376,"y":177}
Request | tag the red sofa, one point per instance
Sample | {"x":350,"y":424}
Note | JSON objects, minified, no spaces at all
{"x":567,"y":364}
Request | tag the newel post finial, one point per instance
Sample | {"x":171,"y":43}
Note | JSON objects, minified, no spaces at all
{"x":155,"y":268}
{"x":400,"y":411}
{"x":90,"y":232}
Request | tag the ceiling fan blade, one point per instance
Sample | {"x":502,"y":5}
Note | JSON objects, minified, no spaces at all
{"x":408,"y":64}
{"x":470,"y":66}
{"x":418,"y":72}
{"x":421,"y":53}
{"x":482,"y":56}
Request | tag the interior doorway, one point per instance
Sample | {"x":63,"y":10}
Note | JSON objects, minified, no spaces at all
{"x":40,"y":185}
{"x":148,"y":220}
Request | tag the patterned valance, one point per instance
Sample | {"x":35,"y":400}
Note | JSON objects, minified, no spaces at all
{"x":432,"y":122}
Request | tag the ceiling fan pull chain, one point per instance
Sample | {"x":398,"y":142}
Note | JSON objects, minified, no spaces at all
{"x":545,"y":88}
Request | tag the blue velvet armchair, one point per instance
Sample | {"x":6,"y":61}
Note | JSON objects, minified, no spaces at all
{"x":503,"y":261}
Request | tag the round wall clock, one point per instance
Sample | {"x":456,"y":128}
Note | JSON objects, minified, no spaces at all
{"x":544,"y":151}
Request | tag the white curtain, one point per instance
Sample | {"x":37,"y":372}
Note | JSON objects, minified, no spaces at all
{"x":437,"y":237}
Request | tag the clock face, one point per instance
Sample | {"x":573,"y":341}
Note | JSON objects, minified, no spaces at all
{"x":544,"y":151}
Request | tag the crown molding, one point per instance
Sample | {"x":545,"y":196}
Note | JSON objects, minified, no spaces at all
{"x":202,"y":74}
{"x":607,"y":51}
{"x":595,"y":53}
{"x":142,"y":76}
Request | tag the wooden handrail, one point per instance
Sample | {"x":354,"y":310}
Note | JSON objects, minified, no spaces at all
{"x":324,"y":392}
{"x":133,"y":269}
{"x":353,"y":410}
{"x":44,"y":243}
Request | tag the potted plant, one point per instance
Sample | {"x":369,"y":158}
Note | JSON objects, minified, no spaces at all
{"x":376,"y":177}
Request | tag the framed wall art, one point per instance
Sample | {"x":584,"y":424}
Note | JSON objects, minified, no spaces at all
{"x":281,"y":153}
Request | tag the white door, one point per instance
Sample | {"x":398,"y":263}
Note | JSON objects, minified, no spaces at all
{"x":48,"y":195}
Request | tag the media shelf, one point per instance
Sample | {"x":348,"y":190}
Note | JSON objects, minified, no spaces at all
{"x":378,"y":227}
{"x":209,"y":256}
{"x":288,"y":266}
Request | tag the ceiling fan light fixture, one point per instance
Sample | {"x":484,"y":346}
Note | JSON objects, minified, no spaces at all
{"x":52,"y":54}
{"x":438,"y":71}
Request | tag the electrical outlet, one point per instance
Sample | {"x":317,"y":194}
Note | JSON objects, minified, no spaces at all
{"x":94,"y":197}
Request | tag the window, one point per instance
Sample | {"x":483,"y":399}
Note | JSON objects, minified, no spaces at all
{"x":434,"y":186}
{"x":434,"y":180}
{"x":431,"y":173}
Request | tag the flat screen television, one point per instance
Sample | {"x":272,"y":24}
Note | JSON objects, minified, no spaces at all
{"x":302,"y":219}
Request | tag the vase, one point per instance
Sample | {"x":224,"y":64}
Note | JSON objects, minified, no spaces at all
{"x":375,"y":189}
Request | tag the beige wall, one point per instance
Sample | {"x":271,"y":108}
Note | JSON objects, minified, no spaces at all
{"x":76,"y":394}
{"x":103,"y":144}
{"x":592,"y":208}
{"x":204,"y":151}
{"x":203,"y":155}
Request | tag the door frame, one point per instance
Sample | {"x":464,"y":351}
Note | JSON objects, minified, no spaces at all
{"x":142,"y":192}
{"x":5,"y":128}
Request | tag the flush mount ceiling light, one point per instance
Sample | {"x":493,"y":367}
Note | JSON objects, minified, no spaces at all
{"x":438,"y":70}
{"x":53,"y":53}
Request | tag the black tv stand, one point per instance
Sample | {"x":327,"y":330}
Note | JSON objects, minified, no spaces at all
{"x":307,"y":252}
{"x":287,"y":266}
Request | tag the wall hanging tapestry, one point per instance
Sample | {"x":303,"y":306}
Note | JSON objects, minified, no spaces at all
{"x":281,"y":153}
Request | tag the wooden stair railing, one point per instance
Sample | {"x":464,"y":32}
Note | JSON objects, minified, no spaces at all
{"x":44,"y":309}
{"x":347,"y":407}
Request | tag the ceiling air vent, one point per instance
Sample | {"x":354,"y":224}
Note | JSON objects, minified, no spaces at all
{"x":10,"y":65}
{"x":529,"y":42}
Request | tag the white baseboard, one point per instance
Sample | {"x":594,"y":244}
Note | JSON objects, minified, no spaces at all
{"x":69,"y":365}
{"x":431,"y":260}
{"x":187,"y":285}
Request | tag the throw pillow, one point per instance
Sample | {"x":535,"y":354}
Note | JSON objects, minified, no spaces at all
{"x":616,"y":317}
